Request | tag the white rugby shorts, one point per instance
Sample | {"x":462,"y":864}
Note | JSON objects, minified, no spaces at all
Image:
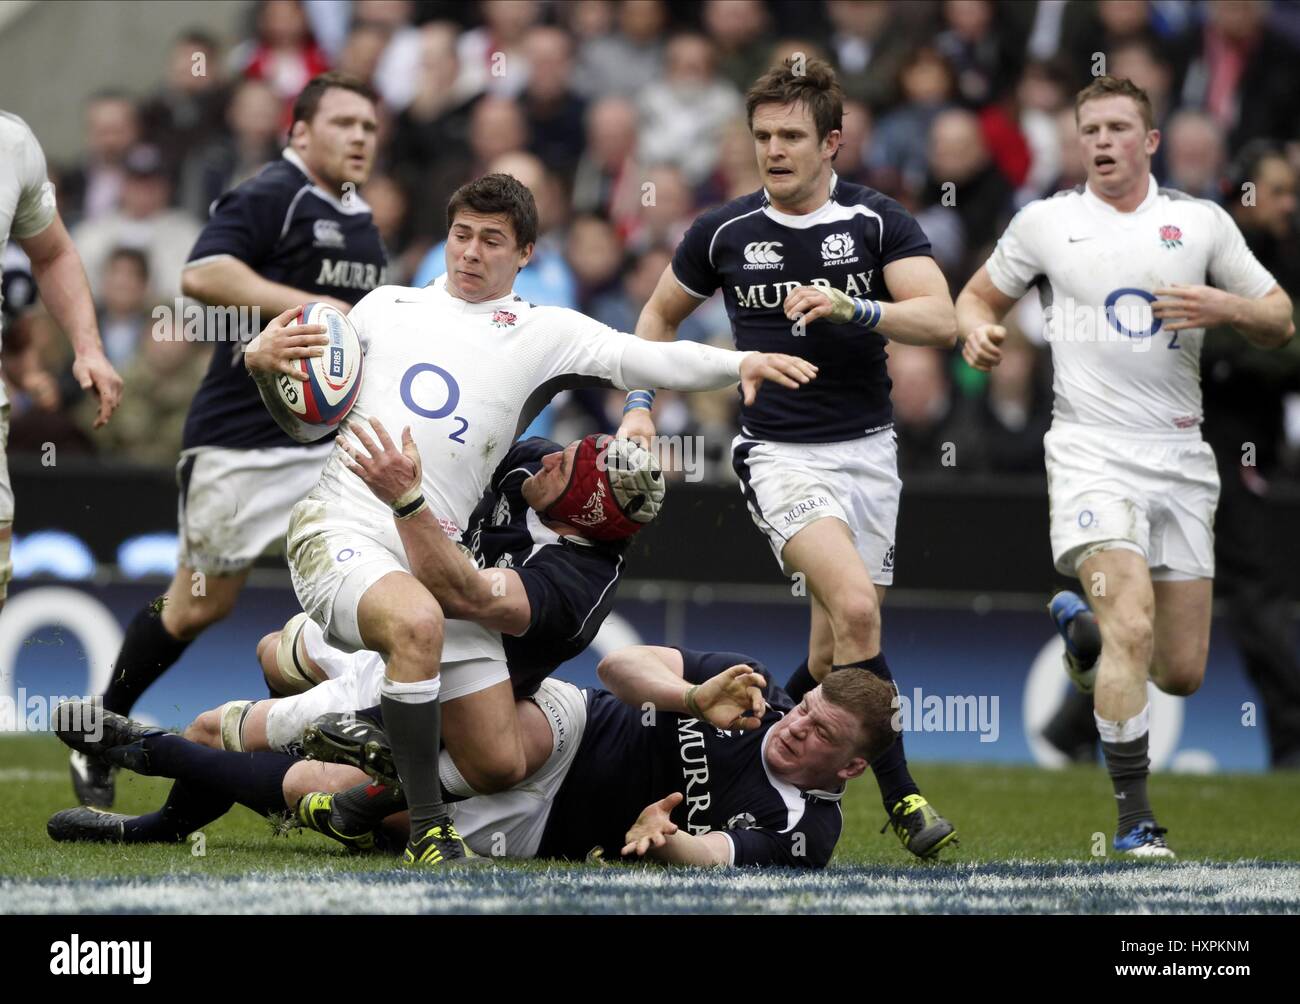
{"x":788,"y":486}
{"x":511,"y":823}
{"x":1155,"y":495}
{"x":235,"y":503}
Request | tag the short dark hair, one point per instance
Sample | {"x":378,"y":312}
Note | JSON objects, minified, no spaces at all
{"x":498,"y":193}
{"x":870,"y":700}
{"x":1108,"y":87}
{"x":134,"y":255}
{"x":308,"y":101}
{"x":816,"y":87}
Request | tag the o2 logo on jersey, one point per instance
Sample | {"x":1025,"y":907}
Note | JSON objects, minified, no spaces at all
{"x":408,"y":390}
{"x":1114,"y":311}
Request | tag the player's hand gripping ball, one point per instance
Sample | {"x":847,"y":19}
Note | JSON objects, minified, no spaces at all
{"x":330,"y":381}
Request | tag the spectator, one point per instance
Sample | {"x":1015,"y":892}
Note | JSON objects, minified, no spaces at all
{"x":900,"y":146}
{"x":145,"y":223}
{"x":147,"y":426}
{"x":606,"y":180}
{"x":362,"y":51}
{"x":1040,"y":95}
{"x":667,"y":210}
{"x":1194,"y":155}
{"x":397,"y":71}
{"x":389,"y":210}
{"x":856,"y":139}
{"x":684,"y":114}
{"x":283,"y":54}
{"x":983,"y":60}
{"x":625,"y":63}
{"x":1015,"y":414}
{"x":30,"y":356}
{"x":124,"y":305}
{"x":933,"y":436}
{"x":595,"y":255}
{"x":554,"y":112}
{"x":1245,"y":79}
{"x":254,"y":139}
{"x":621,"y":307}
{"x":92,"y":190}
{"x":492,"y":57}
{"x":740,"y":30}
{"x":736,"y":172}
{"x":981,"y":196}
{"x":187,"y":112}
{"x":869,"y":49}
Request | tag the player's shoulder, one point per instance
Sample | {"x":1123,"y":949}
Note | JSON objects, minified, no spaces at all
{"x":1183,"y":202}
{"x":14,"y":131}
{"x":850,"y":194}
{"x":278,"y":184}
{"x":712,"y":220}
{"x":523,"y":456}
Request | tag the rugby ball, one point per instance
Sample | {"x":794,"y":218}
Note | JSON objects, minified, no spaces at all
{"x":332,"y":379}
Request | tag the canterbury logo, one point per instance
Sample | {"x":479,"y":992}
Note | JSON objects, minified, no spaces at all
{"x":763,"y":253}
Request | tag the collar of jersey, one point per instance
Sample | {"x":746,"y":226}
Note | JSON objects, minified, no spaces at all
{"x":806,"y":220}
{"x":439,"y":287}
{"x":784,"y":787}
{"x":1101,"y":206}
{"x":355,"y":205}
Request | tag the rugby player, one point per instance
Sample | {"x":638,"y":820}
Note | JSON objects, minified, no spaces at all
{"x":498,"y":359}
{"x":723,"y":770}
{"x":851,"y":268}
{"x":1132,"y":274}
{"x":296,"y":232}
{"x":28,"y":213}
{"x":535,"y":576}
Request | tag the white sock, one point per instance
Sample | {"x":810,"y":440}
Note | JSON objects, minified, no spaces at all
{"x":1124,"y":730}
{"x":415,"y":692}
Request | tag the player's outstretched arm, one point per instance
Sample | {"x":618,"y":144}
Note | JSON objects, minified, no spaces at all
{"x":61,"y":278}
{"x":980,"y":308}
{"x":1265,"y":322}
{"x":274,"y":356}
{"x":641,"y":675}
{"x":494,"y":597}
{"x":655,"y":835}
{"x":225,"y":281}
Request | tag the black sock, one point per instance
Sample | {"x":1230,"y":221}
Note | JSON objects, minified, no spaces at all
{"x":414,"y":730}
{"x":364,"y":806}
{"x":189,"y":807}
{"x":1129,"y":766}
{"x":252,"y":779}
{"x":890,"y":768}
{"x":1073,"y":728}
{"x":801,"y":681}
{"x":147,"y":652}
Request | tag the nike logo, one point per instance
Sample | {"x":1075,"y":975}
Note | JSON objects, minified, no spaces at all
{"x":1074,"y":240}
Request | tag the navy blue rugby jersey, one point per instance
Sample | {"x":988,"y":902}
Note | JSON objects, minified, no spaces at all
{"x":288,"y":230}
{"x":571,"y":582}
{"x":626,"y":761}
{"x":758,"y":255}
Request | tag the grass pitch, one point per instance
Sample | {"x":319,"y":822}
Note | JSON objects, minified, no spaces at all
{"x":1027,"y":842}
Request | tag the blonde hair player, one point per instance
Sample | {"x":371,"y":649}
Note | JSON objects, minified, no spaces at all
{"x":1131,"y":275}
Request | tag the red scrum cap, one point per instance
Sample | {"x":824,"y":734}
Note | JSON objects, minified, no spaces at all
{"x":615,"y":488}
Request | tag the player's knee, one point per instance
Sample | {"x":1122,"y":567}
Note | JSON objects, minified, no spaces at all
{"x":1129,"y":633}
{"x":194,"y":615}
{"x":856,"y":615}
{"x":1181,"y":676}
{"x":417,"y":634}
{"x":266,"y":649}
{"x":498,"y":772}
{"x":206,"y":729}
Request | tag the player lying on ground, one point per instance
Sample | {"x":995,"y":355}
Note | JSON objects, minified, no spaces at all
{"x":818,"y":467}
{"x":1132,"y":486}
{"x":538,"y":578}
{"x":690,"y":758}
{"x":472,"y":364}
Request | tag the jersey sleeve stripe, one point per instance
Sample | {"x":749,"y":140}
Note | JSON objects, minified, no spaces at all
{"x":206,"y":260}
{"x":698,"y":296}
{"x":581,"y":627}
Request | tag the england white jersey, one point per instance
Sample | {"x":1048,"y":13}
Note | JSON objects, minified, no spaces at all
{"x":26,"y":196}
{"x":467,"y":378}
{"x":1097,"y":270}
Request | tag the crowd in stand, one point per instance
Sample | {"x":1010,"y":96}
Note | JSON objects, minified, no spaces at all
{"x":626,"y":120}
